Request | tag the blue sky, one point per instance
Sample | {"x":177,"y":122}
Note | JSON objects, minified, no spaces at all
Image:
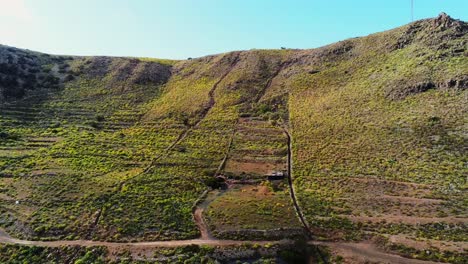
{"x":191,"y":28}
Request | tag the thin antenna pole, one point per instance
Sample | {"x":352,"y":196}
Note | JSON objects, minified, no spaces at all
{"x":412,"y":10}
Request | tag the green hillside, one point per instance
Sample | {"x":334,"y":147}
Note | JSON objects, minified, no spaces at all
{"x":380,"y":135}
{"x":128,"y":149}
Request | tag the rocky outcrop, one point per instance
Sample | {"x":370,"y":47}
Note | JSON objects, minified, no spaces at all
{"x":402,"y":91}
{"x":434,"y":32}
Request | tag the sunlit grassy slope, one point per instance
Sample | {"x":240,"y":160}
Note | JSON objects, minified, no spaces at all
{"x":383,"y":120}
{"x":121,"y":148}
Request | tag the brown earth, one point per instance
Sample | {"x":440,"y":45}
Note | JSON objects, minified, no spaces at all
{"x":425,"y":244}
{"x":366,"y":252}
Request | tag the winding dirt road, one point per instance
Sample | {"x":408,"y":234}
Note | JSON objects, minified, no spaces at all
{"x":4,"y":238}
{"x":362,"y":252}
{"x":204,"y":230}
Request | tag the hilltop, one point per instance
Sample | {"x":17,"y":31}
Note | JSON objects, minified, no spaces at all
{"x":370,"y":132}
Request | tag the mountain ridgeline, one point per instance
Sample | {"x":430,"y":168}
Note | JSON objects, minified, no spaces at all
{"x":120,"y":149}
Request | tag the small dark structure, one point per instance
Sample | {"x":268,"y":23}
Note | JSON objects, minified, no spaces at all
{"x":314,"y":71}
{"x":216,"y":182}
{"x":276,"y":175}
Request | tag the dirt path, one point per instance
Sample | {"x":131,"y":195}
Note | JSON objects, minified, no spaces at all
{"x":200,"y":208}
{"x":204,"y":231}
{"x":212,"y":101}
{"x":362,"y":252}
{"x":4,"y":238}
{"x":270,"y":81}
{"x":365,"y":252}
{"x":198,"y":214}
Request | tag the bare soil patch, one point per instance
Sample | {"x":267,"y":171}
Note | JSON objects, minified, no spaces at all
{"x":427,"y":244}
{"x":261,"y":168}
{"x":412,"y":220}
{"x":367,"y":252}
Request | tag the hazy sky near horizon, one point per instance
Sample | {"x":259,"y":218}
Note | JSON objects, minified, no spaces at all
{"x":179,"y":29}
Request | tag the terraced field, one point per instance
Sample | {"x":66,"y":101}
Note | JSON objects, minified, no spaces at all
{"x":258,"y":148}
{"x":254,"y":207}
{"x":67,"y":147}
{"x":364,"y":139}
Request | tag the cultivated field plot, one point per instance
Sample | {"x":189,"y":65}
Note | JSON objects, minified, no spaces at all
{"x":254,"y":206}
{"x":258,"y":149}
{"x":253,"y":212}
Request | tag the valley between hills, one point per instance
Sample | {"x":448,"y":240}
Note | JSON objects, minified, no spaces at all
{"x":355,"y":152}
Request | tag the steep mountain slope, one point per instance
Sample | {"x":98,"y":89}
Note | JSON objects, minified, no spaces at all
{"x":121,"y":149}
{"x":379,"y":128}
